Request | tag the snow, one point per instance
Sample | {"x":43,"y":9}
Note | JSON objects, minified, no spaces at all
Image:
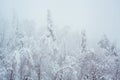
{"x":56,"y":55}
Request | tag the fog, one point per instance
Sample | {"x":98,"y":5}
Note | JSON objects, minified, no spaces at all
{"x":97,"y":17}
{"x":59,"y":39}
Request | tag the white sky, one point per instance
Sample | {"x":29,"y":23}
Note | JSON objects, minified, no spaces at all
{"x":97,"y":17}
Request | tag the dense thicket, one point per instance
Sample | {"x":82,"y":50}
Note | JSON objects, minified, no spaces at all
{"x":53,"y":54}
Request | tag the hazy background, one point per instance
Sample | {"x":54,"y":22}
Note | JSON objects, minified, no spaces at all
{"x":97,"y":17}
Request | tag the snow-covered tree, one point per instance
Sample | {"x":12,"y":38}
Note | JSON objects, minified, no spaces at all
{"x":54,"y":55}
{"x":110,"y":47}
{"x":83,"y":43}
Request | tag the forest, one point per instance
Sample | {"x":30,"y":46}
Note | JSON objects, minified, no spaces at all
{"x":49,"y":53}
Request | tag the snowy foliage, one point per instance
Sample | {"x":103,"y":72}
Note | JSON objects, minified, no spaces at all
{"x":55,"y":55}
